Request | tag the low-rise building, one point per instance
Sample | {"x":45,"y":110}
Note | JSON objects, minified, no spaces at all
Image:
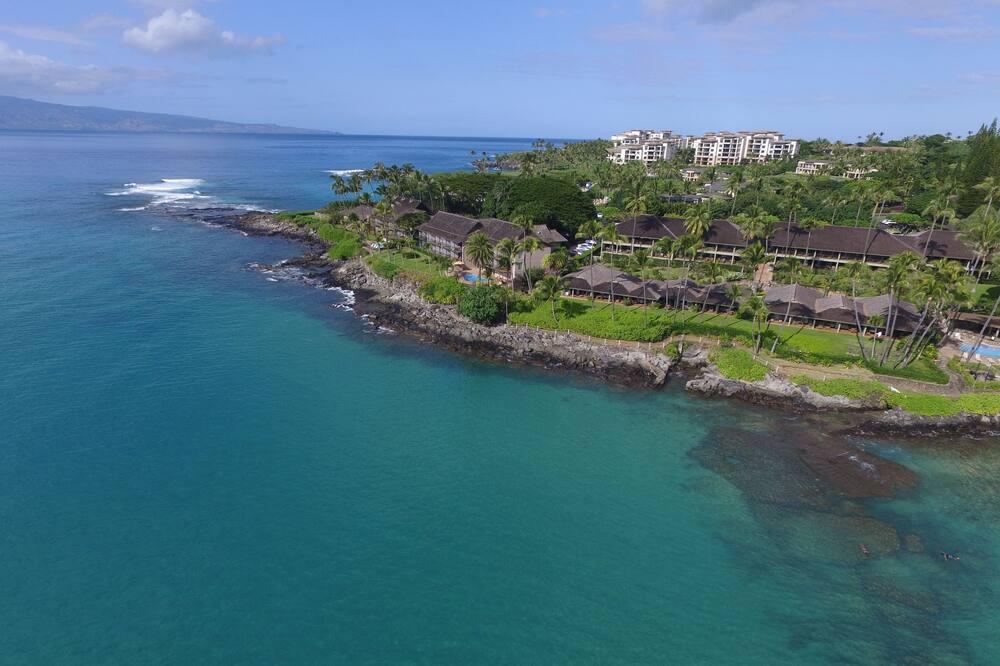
{"x":446,"y":234}
{"x":812,"y":167}
{"x":829,"y":246}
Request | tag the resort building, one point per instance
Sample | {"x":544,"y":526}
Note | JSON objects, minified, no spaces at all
{"x":787,"y":303}
{"x":389,"y":224}
{"x":830,"y":246}
{"x":445,"y":234}
{"x":717,"y":148}
{"x":646,"y":146}
{"x":812,"y":167}
{"x":816,"y":167}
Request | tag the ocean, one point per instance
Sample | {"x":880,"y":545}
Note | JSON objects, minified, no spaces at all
{"x":203,"y":463}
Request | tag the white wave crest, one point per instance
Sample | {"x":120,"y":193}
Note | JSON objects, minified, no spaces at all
{"x":343,"y":172}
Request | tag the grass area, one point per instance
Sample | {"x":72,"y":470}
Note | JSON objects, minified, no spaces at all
{"x":414,"y":265}
{"x":795,"y":343}
{"x":737,"y":363}
{"x":984,"y":294}
{"x":922,"y":370}
{"x":857,"y":389}
{"x":925,"y":404}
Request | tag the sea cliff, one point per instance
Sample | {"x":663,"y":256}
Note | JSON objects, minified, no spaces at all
{"x":396,"y":305}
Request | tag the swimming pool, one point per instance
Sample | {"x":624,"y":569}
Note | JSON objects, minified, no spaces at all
{"x":984,"y":350}
{"x":469,"y":276}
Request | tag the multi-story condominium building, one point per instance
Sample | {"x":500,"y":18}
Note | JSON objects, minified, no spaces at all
{"x":646,"y":151}
{"x":645,"y":146}
{"x":815,"y":167}
{"x":717,"y":148}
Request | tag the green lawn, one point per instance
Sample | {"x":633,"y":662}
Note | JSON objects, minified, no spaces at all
{"x":925,"y":404}
{"x":415,"y":265}
{"x":738,"y":363}
{"x":796,"y":343}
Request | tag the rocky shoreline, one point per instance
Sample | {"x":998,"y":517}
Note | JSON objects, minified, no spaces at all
{"x":396,"y":305}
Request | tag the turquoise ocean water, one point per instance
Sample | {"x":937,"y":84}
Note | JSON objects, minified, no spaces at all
{"x":200,"y":465}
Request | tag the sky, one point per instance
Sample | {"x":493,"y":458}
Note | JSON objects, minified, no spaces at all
{"x":548,"y":69}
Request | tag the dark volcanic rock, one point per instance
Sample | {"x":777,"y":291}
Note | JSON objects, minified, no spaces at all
{"x":898,"y":423}
{"x":774,"y":392}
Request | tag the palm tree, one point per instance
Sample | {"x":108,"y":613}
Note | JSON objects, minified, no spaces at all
{"x":982,"y":231}
{"x":756,"y":309}
{"x":609,"y":234}
{"x":711,"y":273}
{"x":508,"y":296}
{"x":665,"y":247}
{"x":640,"y":260}
{"x":550,"y":288}
{"x":525,"y":248}
{"x":698,"y":223}
{"x":480,"y":251}
{"x":556,"y":260}
{"x":733,"y":293}
{"x":505,"y":252}
{"x":937,"y":209}
{"x":635,"y":206}
{"x":811,"y":224}
{"x":991,"y":190}
{"x":898,"y":272}
{"x":736,"y":180}
{"x":689,"y":247}
{"x":752,"y":257}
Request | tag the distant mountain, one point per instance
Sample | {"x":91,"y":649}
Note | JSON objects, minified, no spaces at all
{"x":27,"y":114}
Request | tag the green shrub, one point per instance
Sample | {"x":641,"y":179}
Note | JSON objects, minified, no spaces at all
{"x":856,"y":389}
{"x":345,"y":249}
{"x":384,"y":268}
{"x":482,"y":305}
{"x":442,"y":290}
{"x":737,"y":363}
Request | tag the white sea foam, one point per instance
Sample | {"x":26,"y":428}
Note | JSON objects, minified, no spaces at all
{"x":132,"y":210}
{"x":343,"y":172}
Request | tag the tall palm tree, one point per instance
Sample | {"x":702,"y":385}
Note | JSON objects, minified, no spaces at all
{"x":991,"y":190}
{"x":982,"y":231}
{"x":640,"y":260}
{"x":550,"y":288}
{"x":698,"y":223}
{"x":753,"y":256}
{"x":665,"y":247}
{"x":898,"y":272}
{"x":609,"y":234}
{"x":505,"y":252}
{"x":736,"y":180}
{"x":711,"y":273}
{"x":635,"y":206}
{"x":480,"y":251}
{"x":733,"y":293}
{"x":759,"y":314}
{"x":556,"y":260}
{"x":938,"y":210}
{"x":525,"y":247}
{"x":811,"y":224}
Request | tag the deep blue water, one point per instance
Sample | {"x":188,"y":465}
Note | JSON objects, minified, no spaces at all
{"x":199,"y":465}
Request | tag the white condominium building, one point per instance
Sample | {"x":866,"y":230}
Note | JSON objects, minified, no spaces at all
{"x":645,"y":146}
{"x":812,"y":167}
{"x":717,"y":148}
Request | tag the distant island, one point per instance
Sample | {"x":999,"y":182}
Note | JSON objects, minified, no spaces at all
{"x":27,"y":114}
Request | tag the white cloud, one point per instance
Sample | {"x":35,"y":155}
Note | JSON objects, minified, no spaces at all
{"x":190,"y":32}
{"x":22,"y":72}
{"x":43,"y":33}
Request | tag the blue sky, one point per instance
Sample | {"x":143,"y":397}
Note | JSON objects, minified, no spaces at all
{"x":836,"y":68}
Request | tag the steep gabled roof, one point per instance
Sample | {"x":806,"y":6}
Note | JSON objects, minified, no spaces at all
{"x":452,"y":227}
